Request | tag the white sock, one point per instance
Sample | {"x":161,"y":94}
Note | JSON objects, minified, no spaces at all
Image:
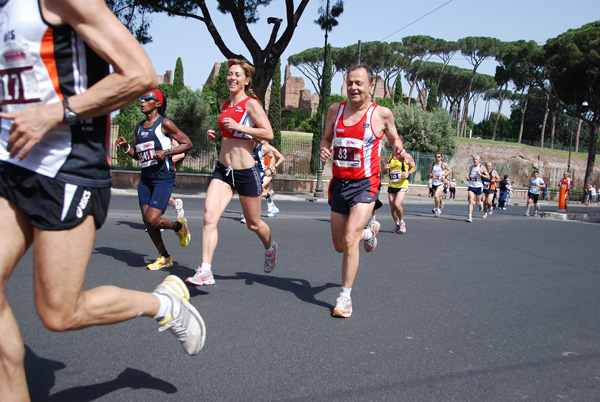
{"x":401,"y":220}
{"x":165,"y":307}
{"x":205,"y":267}
{"x":345,"y":292}
{"x":269,"y":250}
{"x":368,"y":234}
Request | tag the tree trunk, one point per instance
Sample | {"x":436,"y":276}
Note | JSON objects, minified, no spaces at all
{"x":523,"y":110}
{"x":589,"y":171}
{"x":458,"y":119}
{"x":497,"y":116}
{"x":547,"y":111}
{"x":553,"y":131}
{"x":578,"y":132}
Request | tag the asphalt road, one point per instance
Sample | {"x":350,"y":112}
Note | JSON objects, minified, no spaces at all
{"x":501,"y":309}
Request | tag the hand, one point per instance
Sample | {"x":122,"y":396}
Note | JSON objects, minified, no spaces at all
{"x":400,"y":154}
{"x":160,"y":155}
{"x":121,"y":141}
{"x":212,"y":135}
{"x":30,"y":126}
{"x":325,"y":154}
{"x":229,"y":124}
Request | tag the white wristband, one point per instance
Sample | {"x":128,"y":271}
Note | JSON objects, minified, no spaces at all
{"x":128,"y":148}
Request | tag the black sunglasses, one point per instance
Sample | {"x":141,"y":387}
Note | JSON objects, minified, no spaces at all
{"x":148,"y":98}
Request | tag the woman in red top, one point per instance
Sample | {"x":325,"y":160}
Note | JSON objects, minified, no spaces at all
{"x":241,"y":121}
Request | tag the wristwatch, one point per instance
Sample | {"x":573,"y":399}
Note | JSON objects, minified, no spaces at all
{"x":70,"y":118}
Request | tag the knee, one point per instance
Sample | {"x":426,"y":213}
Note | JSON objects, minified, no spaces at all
{"x":57,"y":319}
{"x":253,"y":227}
{"x":210,"y":219}
{"x":351,"y":239}
{"x":152,"y":222}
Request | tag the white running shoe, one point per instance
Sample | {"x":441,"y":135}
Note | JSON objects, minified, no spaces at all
{"x":201,"y":278}
{"x":402,"y":227}
{"x":485,"y":215}
{"x":183,"y":320}
{"x":371,"y":244}
{"x":437,"y":212}
{"x":179,"y":212}
{"x":273,"y":212}
{"x":343,"y":307}
{"x":271,"y":259}
{"x":243,"y":220}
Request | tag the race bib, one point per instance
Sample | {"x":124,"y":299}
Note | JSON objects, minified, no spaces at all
{"x":486,"y":185}
{"x":17,"y":77}
{"x":396,"y":176}
{"x":347,"y":152}
{"x":145,"y":152}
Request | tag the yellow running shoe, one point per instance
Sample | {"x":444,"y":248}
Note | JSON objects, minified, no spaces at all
{"x":161,"y":262}
{"x":184,"y":233}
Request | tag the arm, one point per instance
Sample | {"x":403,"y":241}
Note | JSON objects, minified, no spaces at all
{"x":278,"y":158}
{"x":327,"y":139}
{"x":262,"y":131}
{"x":412,"y":164}
{"x":447,"y":170}
{"x":133,"y":74}
{"x":484,"y":173}
{"x":176,"y":157}
{"x":184,"y":143}
{"x":390,"y":131}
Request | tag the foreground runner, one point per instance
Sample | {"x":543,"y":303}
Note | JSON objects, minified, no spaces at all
{"x":242,"y":120}
{"x":55,"y":177}
{"x":353,"y":137}
{"x":399,"y":170}
{"x":152,"y":147}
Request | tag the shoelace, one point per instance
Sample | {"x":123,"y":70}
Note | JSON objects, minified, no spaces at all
{"x":230,"y":170}
{"x":176,"y":327}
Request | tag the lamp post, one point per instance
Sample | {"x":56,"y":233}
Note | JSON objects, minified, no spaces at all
{"x":319,"y":187}
{"x":570,"y":143}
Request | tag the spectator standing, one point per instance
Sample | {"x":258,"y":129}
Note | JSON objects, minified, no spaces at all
{"x":452,"y":186}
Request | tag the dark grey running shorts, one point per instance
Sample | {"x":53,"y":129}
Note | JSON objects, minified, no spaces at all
{"x":51,"y":204}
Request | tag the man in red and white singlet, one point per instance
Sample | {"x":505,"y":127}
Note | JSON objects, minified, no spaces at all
{"x":352,"y":137}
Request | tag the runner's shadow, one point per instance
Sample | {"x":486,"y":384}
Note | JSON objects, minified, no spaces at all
{"x":133,"y":225}
{"x":131,"y":258}
{"x":41,"y":379}
{"x":301,"y":288}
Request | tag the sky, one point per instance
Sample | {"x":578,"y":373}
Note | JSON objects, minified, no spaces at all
{"x":382,"y":20}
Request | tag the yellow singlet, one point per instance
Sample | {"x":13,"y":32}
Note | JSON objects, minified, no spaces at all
{"x":396,"y":169}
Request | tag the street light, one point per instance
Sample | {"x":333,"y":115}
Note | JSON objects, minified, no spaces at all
{"x":319,"y":187}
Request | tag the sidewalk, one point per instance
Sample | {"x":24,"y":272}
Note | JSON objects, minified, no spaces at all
{"x":548,"y":209}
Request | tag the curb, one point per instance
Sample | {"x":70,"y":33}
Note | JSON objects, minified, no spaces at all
{"x":570,"y":216}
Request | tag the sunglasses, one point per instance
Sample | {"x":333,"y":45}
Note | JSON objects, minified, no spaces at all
{"x":148,"y":98}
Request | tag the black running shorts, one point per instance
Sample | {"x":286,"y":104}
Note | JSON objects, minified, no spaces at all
{"x":51,"y":204}
{"x":344,"y":193}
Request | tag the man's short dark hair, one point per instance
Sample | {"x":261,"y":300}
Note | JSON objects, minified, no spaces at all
{"x":368,"y":69}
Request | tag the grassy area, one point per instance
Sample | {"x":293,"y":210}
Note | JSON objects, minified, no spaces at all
{"x":542,"y":151}
{"x":291,"y":141}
